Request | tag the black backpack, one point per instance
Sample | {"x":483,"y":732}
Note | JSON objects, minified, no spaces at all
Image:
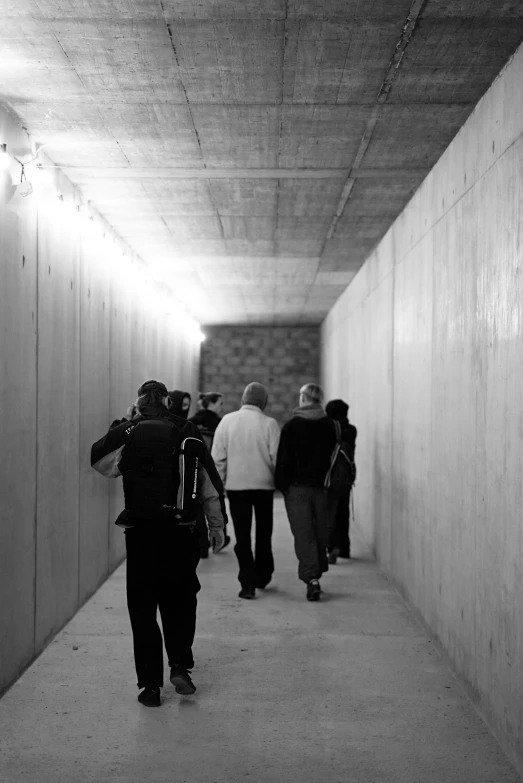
{"x":341,"y":474}
{"x":160,"y":470}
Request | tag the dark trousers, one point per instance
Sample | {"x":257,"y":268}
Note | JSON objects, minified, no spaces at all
{"x":161,"y":574}
{"x":257,"y":569}
{"x":340,"y":533}
{"x":311,"y":516}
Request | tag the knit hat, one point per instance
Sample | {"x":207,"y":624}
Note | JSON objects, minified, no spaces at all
{"x":255,"y":394}
{"x":150,"y":386}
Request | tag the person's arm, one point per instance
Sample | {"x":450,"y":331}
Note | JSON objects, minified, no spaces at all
{"x":209,"y":497}
{"x":284,"y":464}
{"x":214,"y":509}
{"x":219,"y":450}
{"x":106,"y":452}
{"x":274,"y":442}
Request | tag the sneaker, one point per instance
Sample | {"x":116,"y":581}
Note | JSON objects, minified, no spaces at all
{"x":247,"y":592}
{"x":181,"y":681}
{"x":313,"y":590}
{"x":261,"y":585}
{"x":150,"y":697}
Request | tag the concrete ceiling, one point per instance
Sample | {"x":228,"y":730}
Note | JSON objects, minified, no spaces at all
{"x":253,"y":151}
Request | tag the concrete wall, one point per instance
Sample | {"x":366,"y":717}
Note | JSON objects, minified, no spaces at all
{"x":426,"y":344}
{"x":77,"y":337}
{"x":282,"y":358}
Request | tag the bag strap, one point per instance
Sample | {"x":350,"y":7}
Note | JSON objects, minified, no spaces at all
{"x":337,"y":427}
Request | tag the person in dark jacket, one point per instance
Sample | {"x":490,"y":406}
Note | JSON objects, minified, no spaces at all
{"x":207,"y":419}
{"x":162,"y":555}
{"x":180,"y":403}
{"x":306,"y":445}
{"x":339,"y":545}
{"x":208,"y":416}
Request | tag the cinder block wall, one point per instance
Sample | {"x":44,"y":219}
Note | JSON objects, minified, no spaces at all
{"x":75,"y":343}
{"x":431,"y":336}
{"x":283,"y":358}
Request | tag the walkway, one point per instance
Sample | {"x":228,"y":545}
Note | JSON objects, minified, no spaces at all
{"x":349,"y":690}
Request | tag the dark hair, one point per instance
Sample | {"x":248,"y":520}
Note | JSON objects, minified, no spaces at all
{"x":337,"y":409}
{"x":208,"y":398}
{"x":152,"y":397}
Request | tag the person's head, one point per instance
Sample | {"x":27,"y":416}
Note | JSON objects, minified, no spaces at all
{"x":152,"y":394}
{"x":337,"y":409}
{"x":311,"y":394}
{"x":255,"y":394}
{"x":211,"y":401}
{"x":180,"y":403}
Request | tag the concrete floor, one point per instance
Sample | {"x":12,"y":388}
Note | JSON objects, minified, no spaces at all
{"x":346,"y":690}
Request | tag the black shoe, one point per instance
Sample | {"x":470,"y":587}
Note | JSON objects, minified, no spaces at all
{"x":247,"y":592}
{"x":261,"y":585}
{"x":181,"y":681}
{"x":333,"y":556}
{"x":227,"y":541}
{"x":150,"y":697}
{"x":313,"y":590}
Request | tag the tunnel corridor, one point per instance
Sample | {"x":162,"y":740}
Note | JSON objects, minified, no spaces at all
{"x":214,"y":192}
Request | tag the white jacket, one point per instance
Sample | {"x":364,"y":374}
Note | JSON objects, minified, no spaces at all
{"x":245,"y":447}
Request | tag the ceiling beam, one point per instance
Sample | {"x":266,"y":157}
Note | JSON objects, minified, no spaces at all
{"x":108,"y":172}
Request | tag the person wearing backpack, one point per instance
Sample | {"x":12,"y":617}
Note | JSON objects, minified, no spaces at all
{"x":168,"y":474}
{"x":306,"y":446}
{"x":207,"y":419}
{"x":339,"y":545}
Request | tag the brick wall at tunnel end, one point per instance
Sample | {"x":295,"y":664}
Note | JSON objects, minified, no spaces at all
{"x":282,"y":358}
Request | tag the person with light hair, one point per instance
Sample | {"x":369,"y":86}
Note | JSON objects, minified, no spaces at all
{"x":244,"y":449}
{"x":306,"y":445}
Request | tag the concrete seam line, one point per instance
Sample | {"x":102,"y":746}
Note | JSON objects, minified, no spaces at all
{"x":113,"y":173}
{"x":173,"y":46}
{"x":390,"y":74}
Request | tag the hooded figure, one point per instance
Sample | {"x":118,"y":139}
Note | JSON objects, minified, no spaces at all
{"x":180,"y":403}
{"x":339,"y":544}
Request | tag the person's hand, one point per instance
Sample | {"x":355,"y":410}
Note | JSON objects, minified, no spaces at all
{"x":216,"y":539}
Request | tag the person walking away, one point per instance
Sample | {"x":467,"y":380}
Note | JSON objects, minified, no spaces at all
{"x":180,"y":403}
{"x":207,"y":419}
{"x":208,"y":416}
{"x":339,"y":545}
{"x":167,"y":473}
{"x":244,"y":450}
{"x":306,"y":445}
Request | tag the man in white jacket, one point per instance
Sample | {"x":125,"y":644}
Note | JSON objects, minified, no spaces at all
{"x":244,"y":449}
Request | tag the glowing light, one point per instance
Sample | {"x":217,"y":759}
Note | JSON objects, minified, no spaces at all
{"x":201,"y":335}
